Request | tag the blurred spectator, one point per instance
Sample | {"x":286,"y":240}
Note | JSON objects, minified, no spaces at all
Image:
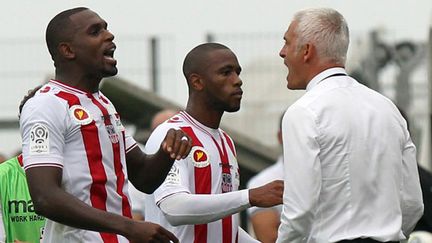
{"x":265,"y":221}
{"x":2,"y":158}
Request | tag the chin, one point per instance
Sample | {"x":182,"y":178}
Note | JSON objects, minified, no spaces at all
{"x":111,"y":72}
{"x":233,"y":109}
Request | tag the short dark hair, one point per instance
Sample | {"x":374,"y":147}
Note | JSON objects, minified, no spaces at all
{"x":194,"y":59}
{"x":58,"y":30}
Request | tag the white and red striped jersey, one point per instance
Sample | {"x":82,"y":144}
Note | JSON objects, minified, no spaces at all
{"x":210,"y":168}
{"x":82,"y":134}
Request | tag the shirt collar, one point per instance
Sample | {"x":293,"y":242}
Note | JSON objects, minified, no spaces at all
{"x":323,"y":75}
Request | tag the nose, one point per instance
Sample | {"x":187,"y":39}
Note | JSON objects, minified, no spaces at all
{"x":110,"y":36}
{"x":282,"y":52}
{"x":238,"y":81}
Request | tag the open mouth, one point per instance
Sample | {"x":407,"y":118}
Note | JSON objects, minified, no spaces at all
{"x":109,"y":55}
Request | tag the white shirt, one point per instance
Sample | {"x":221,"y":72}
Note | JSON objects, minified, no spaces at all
{"x":82,"y":134}
{"x":349,"y":165}
{"x":269,"y":174}
{"x":202,"y":172}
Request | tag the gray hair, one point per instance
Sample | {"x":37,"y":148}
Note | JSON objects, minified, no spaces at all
{"x":326,"y":29}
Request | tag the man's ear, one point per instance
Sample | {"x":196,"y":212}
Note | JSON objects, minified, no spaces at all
{"x":308,"y":52}
{"x":66,"y":51}
{"x":196,"y":82}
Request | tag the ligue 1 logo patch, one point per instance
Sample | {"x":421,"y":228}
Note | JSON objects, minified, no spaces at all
{"x":200,"y":157}
{"x":39,"y":139}
{"x":80,"y":115}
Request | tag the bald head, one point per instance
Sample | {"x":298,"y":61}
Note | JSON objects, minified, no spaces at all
{"x":193,"y":62}
{"x":161,"y":117}
{"x":59,"y":29}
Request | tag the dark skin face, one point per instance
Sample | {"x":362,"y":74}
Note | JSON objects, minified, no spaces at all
{"x":223,"y":84}
{"x":89,"y":54}
{"x":216,"y":88}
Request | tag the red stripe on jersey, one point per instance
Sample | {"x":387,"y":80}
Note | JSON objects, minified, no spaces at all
{"x":202,"y":185}
{"x":230,"y":143}
{"x":227,"y":221}
{"x":126,"y":210}
{"x":98,"y":193}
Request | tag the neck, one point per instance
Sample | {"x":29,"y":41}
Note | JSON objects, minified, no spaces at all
{"x":320,"y":68}
{"x":208,"y":117}
{"x":81,"y":82}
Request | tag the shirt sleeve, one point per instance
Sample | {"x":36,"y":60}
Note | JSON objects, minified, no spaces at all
{"x":412,"y":201}
{"x":177,"y":179}
{"x":43,"y":125}
{"x":302,"y":174}
{"x":185,"y":208}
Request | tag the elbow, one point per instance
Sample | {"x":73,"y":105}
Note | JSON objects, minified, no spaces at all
{"x":41,"y":205}
{"x":172,"y":220}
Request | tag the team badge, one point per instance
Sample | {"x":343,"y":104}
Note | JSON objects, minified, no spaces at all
{"x":39,"y":139}
{"x":200,"y":157}
{"x":80,"y":115}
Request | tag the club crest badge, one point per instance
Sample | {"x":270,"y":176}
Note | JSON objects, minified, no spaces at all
{"x":200,"y":157}
{"x":80,"y":115}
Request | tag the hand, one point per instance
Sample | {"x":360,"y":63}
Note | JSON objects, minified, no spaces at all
{"x":143,"y":232}
{"x":268,"y":195}
{"x":30,"y":93}
{"x":177,"y":144}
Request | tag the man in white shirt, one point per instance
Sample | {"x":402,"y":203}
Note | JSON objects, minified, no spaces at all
{"x":199,"y":200}
{"x":349,"y":163}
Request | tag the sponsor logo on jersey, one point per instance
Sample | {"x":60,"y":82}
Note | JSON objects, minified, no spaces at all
{"x":173,"y":176}
{"x":226,"y":182}
{"x":112,"y":134}
{"x":80,"y":115}
{"x":200,"y":157}
{"x":39,"y":139}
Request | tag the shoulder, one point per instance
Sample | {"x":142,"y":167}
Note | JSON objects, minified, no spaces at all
{"x":45,"y":101}
{"x":8,"y":166}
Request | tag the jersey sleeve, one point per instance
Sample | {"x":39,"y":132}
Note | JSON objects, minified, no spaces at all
{"x":130,"y":142}
{"x":43,"y":124}
{"x":177,"y":179}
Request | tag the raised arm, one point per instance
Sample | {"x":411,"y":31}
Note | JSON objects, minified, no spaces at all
{"x":147,"y":172}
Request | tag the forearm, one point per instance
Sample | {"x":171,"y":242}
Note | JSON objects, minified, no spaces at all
{"x":206,"y":208}
{"x":64,"y":208}
{"x":51,"y":201}
{"x":147,"y":172}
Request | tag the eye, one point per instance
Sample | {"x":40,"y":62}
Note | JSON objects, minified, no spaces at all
{"x":226,"y":72}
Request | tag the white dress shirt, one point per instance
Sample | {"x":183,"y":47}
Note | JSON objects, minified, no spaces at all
{"x":350,"y":166}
